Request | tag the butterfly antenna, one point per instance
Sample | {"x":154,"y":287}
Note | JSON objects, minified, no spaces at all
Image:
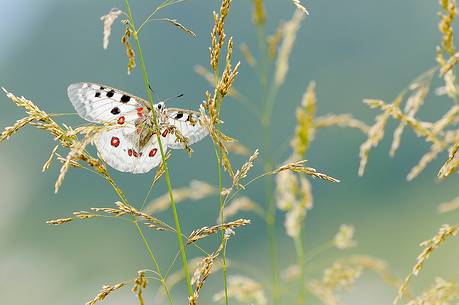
{"x":173,"y":97}
{"x":156,"y":96}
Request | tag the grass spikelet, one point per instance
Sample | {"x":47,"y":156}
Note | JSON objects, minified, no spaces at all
{"x":376,"y":133}
{"x":229,"y":73}
{"x":441,"y":293}
{"x":305,"y":117}
{"x":179,"y":26}
{"x":247,"y":54}
{"x":206,"y":231}
{"x":449,"y":206}
{"x":84,"y":215}
{"x":242,"y":173}
{"x":424,"y":161}
{"x":289,"y":35}
{"x":140,"y":283}
{"x":48,"y":162}
{"x":451,"y":165}
{"x":237,"y":148}
{"x":106,"y":290}
{"x":300,"y":6}
{"x":218,"y":34}
{"x":9,"y":131}
{"x":341,"y":276}
{"x":108,"y":22}
{"x":244,"y":290}
{"x":153,"y":222}
{"x":340,"y":120}
{"x":59,"y":221}
{"x":446,"y":231}
{"x":344,"y":238}
{"x":259,"y":16}
{"x":445,"y":25}
{"x":129,"y":50}
{"x":241,"y":204}
{"x":298,"y":167}
{"x":111,"y":211}
{"x":274,"y":40}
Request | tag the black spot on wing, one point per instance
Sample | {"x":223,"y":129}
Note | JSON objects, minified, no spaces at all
{"x":125,"y":98}
{"x":115,"y":111}
{"x":110,"y":93}
{"x":179,"y":115}
{"x":97,"y":94}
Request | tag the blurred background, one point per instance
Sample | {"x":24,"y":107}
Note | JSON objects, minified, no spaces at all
{"x":353,"y":49}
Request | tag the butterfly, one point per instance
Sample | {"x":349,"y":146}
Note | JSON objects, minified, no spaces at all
{"x":132,"y":144}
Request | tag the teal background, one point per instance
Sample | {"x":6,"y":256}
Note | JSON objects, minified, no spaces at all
{"x":353,"y":49}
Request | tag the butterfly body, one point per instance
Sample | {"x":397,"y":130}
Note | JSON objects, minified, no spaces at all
{"x":131,"y":142}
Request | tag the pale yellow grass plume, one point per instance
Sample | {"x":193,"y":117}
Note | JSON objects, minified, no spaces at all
{"x":210,"y":78}
{"x":344,"y":238}
{"x":241,"y":204}
{"x":289,"y":36}
{"x":247,"y":54}
{"x":294,"y":196}
{"x":204,"y":269}
{"x":340,"y":120}
{"x":229,"y":73}
{"x":197,"y":190}
{"x":449,"y":206}
{"x":108,"y":22}
{"x":48,"y":162}
{"x":259,"y":16}
{"x":218,"y":34}
{"x":305,"y":117}
{"x":342,"y":275}
{"x":446,"y":231}
{"x":447,"y":16}
{"x":375,"y":134}
{"x":129,"y":50}
{"x":106,"y":290}
{"x":298,"y":167}
{"x":452,"y":164}
{"x":140,"y":283}
{"x":274,"y":40}
{"x":152,"y":222}
{"x":300,"y":6}
{"x":419,"y":91}
{"x":238,"y":149}
{"x":207,"y":231}
{"x":242,"y":173}
{"x":244,"y":290}
{"x":442,"y":292}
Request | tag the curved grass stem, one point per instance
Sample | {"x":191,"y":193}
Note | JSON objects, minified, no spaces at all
{"x":166,"y":170}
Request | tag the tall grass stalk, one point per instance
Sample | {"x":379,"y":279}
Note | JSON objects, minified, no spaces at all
{"x":166,"y":170}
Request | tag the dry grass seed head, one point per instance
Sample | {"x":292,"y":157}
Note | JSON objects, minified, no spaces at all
{"x":244,"y":290}
{"x":451,"y":165}
{"x":449,"y":206}
{"x":344,"y":238}
{"x":206,"y":231}
{"x":446,"y":231}
{"x":218,"y":34}
{"x":298,"y":167}
{"x":140,"y":283}
{"x":290,"y":29}
{"x":108,"y":22}
{"x":441,"y":293}
{"x":242,"y":173}
{"x":129,"y":50}
{"x":300,"y":6}
{"x":305,"y":117}
{"x":259,"y":16}
{"x":340,"y":120}
{"x":106,"y":290}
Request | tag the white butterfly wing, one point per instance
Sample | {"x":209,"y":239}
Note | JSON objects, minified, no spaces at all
{"x":100,"y":104}
{"x":188,"y":123}
{"x":119,"y":149}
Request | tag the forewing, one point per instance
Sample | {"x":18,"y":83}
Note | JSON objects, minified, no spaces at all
{"x":188,"y":123}
{"x":119,"y":148}
{"x":101,"y":104}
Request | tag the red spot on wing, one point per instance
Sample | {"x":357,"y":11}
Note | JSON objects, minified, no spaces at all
{"x":115,"y":142}
{"x":136,"y":154}
{"x":165,"y":132}
{"x":130,"y":152}
{"x":153,"y":152}
{"x":140,"y":111}
{"x":121,"y":120}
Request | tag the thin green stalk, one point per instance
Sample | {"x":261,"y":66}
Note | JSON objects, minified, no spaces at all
{"x":299,"y":247}
{"x":266,"y":100}
{"x":166,"y":170}
{"x":150,"y":252}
